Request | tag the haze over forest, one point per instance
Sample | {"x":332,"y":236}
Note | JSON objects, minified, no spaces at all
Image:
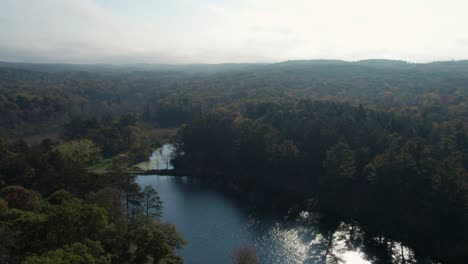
{"x":222,"y":31}
{"x":240,"y":132}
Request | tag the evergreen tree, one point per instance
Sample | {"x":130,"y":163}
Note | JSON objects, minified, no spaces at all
{"x":152,"y":204}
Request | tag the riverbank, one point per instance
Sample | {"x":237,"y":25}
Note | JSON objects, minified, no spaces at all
{"x":286,"y":202}
{"x":138,"y":170}
{"x":155,"y":172}
{"x":279,"y":234}
{"x":160,"y":137}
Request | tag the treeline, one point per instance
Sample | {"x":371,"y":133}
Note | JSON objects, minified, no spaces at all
{"x":52,"y":210}
{"x":114,"y":136}
{"x":401,"y":176}
{"x":33,"y":101}
{"x":386,"y":144}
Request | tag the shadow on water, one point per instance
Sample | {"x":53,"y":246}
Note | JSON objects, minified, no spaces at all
{"x":215,"y":220}
{"x":214,"y":223}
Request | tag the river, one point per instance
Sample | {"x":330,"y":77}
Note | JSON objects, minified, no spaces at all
{"x":214,"y":224}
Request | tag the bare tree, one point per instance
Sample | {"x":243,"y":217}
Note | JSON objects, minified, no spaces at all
{"x":244,"y":254}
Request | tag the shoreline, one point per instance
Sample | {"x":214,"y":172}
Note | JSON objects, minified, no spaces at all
{"x":156,"y":172}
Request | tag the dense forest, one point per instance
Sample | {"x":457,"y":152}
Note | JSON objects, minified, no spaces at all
{"x":401,"y":176}
{"x":36,"y":98}
{"x":52,"y":210}
{"x":383,"y":143}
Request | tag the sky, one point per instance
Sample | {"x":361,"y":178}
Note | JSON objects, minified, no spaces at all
{"x":236,"y":31}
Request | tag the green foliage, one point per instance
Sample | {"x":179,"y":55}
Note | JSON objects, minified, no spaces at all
{"x":36,"y":100}
{"x":43,"y":168}
{"x":76,"y":253}
{"x":152,"y":204}
{"x":73,"y":231}
{"x":70,"y":222}
{"x":101,"y":167}
{"x":29,"y":228}
{"x":109,"y":198}
{"x":384,"y":142}
{"x":112,"y":136}
{"x":104,"y":228}
{"x":151,"y":240}
{"x":80,"y":152}
{"x":391,"y":172}
{"x":8,"y":243}
{"x":59,"y":197}
{"x":339,"y":163}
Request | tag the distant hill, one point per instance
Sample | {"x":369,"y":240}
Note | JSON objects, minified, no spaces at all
{"x":226,"y":67}
{"x":37,"y":97}
{"x":118,"y":68}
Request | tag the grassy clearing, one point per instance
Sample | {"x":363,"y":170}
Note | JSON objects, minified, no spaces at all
{"x":141,"y":166}
{"x":102,"y":166}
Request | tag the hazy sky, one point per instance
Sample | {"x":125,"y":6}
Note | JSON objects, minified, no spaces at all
{"x":214,"y":31}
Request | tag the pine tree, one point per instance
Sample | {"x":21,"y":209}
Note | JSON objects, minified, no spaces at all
{"x":152,"y":204}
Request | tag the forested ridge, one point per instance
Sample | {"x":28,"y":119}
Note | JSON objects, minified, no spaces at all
{"x":383,"y":143}
{"x":168,"y":95}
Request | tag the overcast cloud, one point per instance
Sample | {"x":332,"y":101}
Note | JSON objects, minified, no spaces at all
{"x":216,"y":31}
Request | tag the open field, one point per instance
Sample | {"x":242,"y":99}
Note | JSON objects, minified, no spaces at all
{"x":102,"y":166}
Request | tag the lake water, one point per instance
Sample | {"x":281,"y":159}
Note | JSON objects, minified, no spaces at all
{"x":214,"y":225}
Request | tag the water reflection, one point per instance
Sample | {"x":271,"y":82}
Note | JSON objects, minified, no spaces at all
{"x":302,"y":241}
{"x":161,"y":158}
{"x":213,"y":224}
